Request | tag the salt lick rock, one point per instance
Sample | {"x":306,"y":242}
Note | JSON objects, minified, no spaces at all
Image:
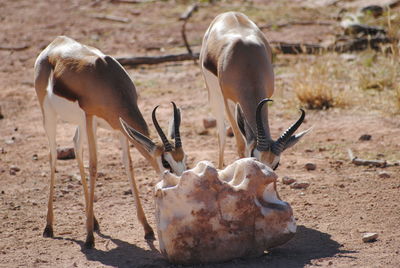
{"x":207,"y":215}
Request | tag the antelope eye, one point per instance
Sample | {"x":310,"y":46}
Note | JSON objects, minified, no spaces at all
{"x":165,"y":163}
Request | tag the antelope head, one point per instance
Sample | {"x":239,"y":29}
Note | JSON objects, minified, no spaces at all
{"x":262,"y":146}
{"x":166,"y":156}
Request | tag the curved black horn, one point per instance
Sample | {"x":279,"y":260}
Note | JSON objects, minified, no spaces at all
{"x":262,"y":141}
{"x":167,"y":145}
{"x":290,"y":131}
{"x":177,"y":123}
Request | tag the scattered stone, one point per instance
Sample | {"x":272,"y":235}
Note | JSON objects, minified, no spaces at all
{"x":348,"y":57}
{"x":369,"y":237}
{"x":65,"y":153}
{"x":384,"y":175}
{"x":2,"y":150}
{"x":229,"y":132}
{"x":374,"y":10}
{"x":209,"y":122}
{"x":128,"y":192}
{"x":310,"y":166}
{"x":288,"y":180}
{"x":365,"y":137}
{"x":10,"y":141}
{"x":14,"y":168}
{"x":1,"y":114}
{"x":299,"y":185}
{"x":203,"y":132}
{"x":35,"y":157}
{"x":64,"y":191}
{"x":309,"y":150}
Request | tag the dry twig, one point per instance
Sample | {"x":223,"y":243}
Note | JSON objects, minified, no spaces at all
{"x":363,"y":162}
{"x":132,"y":1}
{"x":110,"y":18}
{"x":287,"y":24}
{"x":135,"y":61}
{"x":16,"y":48}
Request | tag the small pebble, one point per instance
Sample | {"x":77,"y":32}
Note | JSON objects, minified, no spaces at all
{"x":310,"y":166}
{"x":202,"y":132}
{"x":11,"y":141}
{"x":374,"y":10}
{"x":128,"y":192}
{"x":209,"y":122}
{"x":65,"y":153}
{"x":384,"y":175}
{"x":287,"y":180}
{"x":369,"y":237}
{"x":365,"y":137}
{"x":35,"y":157}
{"x":14,"y":168}
{"x":299,"y":185}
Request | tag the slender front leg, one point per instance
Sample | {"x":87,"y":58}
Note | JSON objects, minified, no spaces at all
{"x":49,"y":122}
{"x":80,"y":134}
{"x":92,"y":174}
{"x":240,"y":143}
{"x":217,"y":107}
{"x":126,"y":158}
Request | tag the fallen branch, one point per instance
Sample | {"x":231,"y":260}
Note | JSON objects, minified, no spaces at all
{"x":360,"y":44}
{"x":279,"y":47}
{"x":135,"y":61}
{"x":185,"y":17}
{"x":287,"y":24}
{"x":110,"y":18}
{"x":188,"y":12}
{"x":296,"y":48}
{"x":375,"y":163}
{"x":16,"y":48}
{"x":132,"y":1}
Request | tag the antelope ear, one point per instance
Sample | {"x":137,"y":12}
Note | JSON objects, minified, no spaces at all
{"x":295,"y":138}
{"x":243,"y":125}
{"x":138,"y":137}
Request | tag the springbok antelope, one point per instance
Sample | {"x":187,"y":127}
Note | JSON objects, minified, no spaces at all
{"x":236,"y":61}
{"x":81,"y":85}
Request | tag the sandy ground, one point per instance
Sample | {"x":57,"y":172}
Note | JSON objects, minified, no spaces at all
{"x":342,"y":203}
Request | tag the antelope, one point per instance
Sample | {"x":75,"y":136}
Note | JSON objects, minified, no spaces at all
{"x":81,"y":85}
{"x":236,"y":61}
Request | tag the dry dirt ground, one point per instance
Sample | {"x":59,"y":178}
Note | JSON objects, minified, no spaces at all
{"x":341,"y":204}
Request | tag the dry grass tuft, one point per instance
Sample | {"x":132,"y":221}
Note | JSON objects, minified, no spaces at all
{"x":316,"y":87}
{"x":316,"y":95}
{"x":379,"y":73}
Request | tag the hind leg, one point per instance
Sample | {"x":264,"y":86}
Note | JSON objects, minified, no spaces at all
{"x":79,"y":136}
{"x":50,"y":125}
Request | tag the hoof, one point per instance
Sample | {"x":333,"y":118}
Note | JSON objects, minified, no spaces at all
{"x":149,"y":235}
{"x":96,"y":226}
{"x":89,"y":244}
{"x":48,"y":231}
